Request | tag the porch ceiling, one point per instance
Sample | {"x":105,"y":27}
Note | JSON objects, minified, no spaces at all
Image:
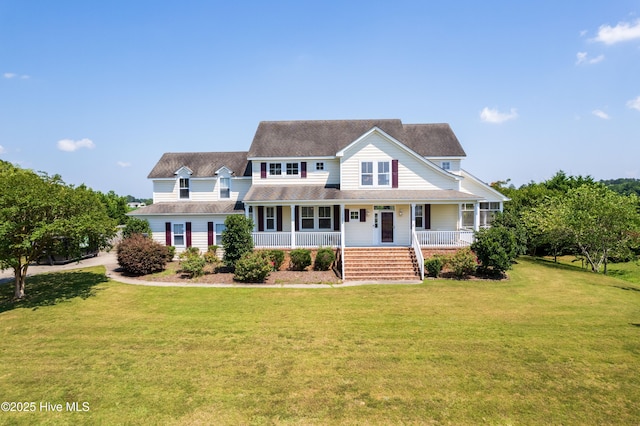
{"x":302,"y":193}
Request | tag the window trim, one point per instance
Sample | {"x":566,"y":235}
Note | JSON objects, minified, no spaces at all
{"x":183,"y":234}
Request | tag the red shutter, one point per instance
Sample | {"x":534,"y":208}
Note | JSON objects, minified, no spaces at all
{"x":297,"y":212}
{"x":336,"y":217}
{"x":167,"y":233}
{"x":394,"y":173}
{"x":346,"y":215}
{"x":188,"y":234}
{"x":279,"y":218}
{"x":303,"y":169}
{"x":210,"y":233}
{"x":263,"y":170}
{"x":363,"y":215}
{"x":427,"y":216}
{"x":261,"y":218}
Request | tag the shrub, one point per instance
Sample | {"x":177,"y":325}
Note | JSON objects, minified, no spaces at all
{"x":434,"y":266}
{"x":140,"y":255}
{"x":192,"y":263}
{"x":253,"y":267}
{"x":300,"y":259}
{"x":277,"y":257}
{"x":236,"y":238}
{"x":136,"y":226}
{"x":462,"y":263}
{"x":496,"y":249}
{"x":171,"y":253}
{"x":324,"y":258}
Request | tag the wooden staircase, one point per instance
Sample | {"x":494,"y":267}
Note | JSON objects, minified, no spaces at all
{"x":380,"y":264}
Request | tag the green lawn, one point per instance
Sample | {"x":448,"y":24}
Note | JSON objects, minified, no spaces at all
{"x":551,"y":345}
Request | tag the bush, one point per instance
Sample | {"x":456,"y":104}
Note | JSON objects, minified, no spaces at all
{"x":171,"y":253}
{"x":462,"y":263}
{"x":192,"y":263}
{"x":253,"y":267}
{"x":300,"y":259}
{"x":496,"y":249}
{"x":140,"y":255}
{"x":434,"y":266}
{"x":324,"y":259}
{"x":136,"y":226}
{"x":236,"y":238}
{"x":277,"y":257}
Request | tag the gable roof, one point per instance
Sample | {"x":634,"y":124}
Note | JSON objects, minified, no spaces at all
{"x":202,"y":164}
{"x":326,"y":137}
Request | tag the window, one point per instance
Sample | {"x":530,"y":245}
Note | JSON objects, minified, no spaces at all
{"x":324,"y":217}
{"x":467,"y":215}
{"x":446,"y":165}
{"x":419,"y":216}
{"x":366,"y":169}
{"x":219,"y":228}
{"x":487,"y":213}
{"x":270,"y":219}
{"x":320,"y":166}
{"x":383,"y":173}
{"x":292,"y":169}
{"x":354,"y":215}
{"x":178,"y":234}
{"x":225,"y":190}
{"x":307,"y":217}
{"x":184,"y":188}
{"x":275,"y":169}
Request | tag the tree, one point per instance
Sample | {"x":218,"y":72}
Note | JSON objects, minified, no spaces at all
{"x":496,"y":249}
{"x":116,"y":206}
{"x":37,"y":211}
{"x":236,"y":238}
{"x":136,"y":226}
{"x":600,"y":222}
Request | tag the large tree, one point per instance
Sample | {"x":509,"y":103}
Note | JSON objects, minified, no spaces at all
{"x":38,"y":211}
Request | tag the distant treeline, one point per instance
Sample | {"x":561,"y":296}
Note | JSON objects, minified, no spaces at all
{"x":624,"y":186}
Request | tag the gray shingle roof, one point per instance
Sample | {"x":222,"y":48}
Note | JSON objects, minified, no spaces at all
{"x":189,"y":208}
{"x":203,"y":164}
{"x":266,"y":193}
{"x":327,"y":137}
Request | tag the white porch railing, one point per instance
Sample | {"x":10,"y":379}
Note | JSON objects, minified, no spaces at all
{"x":302,"y":239}
{"x":418,"y":251}
{"x":444,"y":239}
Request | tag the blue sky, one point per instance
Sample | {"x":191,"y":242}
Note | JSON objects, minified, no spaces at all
{"x":97,"y":91}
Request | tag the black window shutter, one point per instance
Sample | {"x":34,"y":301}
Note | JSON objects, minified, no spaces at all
{"x":210,"y":233}
{"x":279,"y":218}
{"x":303,"y":169}
{"x":427,"y":216}
{"x":263,"y":170}
{"x":394,"y":173}
{"x":363,"y":215}
{"x":261,"y":218}
{"x":297,"y":213}
{"x":336,"y":217}
{"x":167,"y":233}
{"x":188,"y":234}
{"x":346,"y":215}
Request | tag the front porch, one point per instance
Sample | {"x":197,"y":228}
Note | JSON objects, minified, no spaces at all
{"x":297,"y":239}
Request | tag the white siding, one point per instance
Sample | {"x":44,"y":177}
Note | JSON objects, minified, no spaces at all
{"x":166,"y":191}
{"x":471,"y":185}
{"x":444,"y":217}
{"x":330,"y":174}
{"x":413,"y":173}
{"x":359,"y":233}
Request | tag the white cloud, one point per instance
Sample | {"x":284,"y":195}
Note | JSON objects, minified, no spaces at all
{"x":494,"y":116}
{"x":123,"y":164}
{"x":10,"y":75}
{"x":600,"y":114}
{"x":624,"y":31}
{"x":583,"y":58}
{"x":71,"y":145}
{"x":634,"y":103}
{"x":2,"y":150}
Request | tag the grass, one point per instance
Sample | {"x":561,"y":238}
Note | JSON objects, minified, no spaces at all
{"x":551,"y":345}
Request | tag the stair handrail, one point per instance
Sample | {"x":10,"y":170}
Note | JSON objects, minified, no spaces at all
{"x":415,"y":243}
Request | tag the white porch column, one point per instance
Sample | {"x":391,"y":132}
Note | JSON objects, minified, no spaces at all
{"x":460,"y":216}
{"x":413,"y":217}
{"x":293,"y":226}
{"x":476,"y":216}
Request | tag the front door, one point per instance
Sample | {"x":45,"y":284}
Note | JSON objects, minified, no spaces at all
{"x":386,"y":232}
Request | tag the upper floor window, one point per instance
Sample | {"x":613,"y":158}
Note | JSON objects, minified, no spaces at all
{"x":381,"y":177}
{"x":292,"y":169}
{"x":446,"y":165}
{"x":225,"y":187}
{"x":184,"y":188}
{"x":320,"y":166}
{"x":275,"y":169}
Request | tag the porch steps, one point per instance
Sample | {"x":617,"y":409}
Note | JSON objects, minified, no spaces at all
{"x":380,"y":264}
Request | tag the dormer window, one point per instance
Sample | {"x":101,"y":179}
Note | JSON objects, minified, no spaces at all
{"x":446,"y":165}
{"x":184,"y":188}
{"x":275,"y":169}
{"x":225,"y":187}
{"x":292,"y":169}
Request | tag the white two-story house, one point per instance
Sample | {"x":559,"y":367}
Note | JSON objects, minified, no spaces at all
{"x":341,"y":183}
